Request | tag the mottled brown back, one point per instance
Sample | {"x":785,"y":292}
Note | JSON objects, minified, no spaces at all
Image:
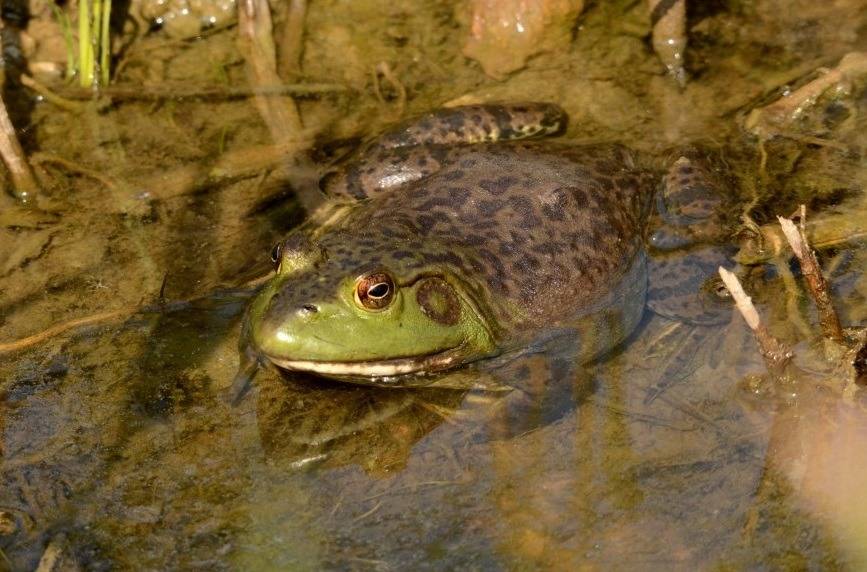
{"x":547,"y":228}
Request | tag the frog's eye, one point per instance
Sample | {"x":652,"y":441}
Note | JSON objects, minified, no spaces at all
{"x":276,"y":253}
{"x":374,"y":291}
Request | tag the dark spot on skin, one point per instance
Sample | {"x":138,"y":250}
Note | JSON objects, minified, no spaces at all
{"x":459,"y":196}
{"x":425,"y":223}
{"x":434,"y":202}
{"x":455,"y":175}
{"x":580,"y":197}
{"x":489,"y":208}
{"x":448,"y":258}
{"x":499,"y":185}
{"x":548,"y":248}
{"x":524,"y":208}
{"x":401,"y":254}
{"x":554,"y":118}
{"x":503,"y":120}
{"x":474,"y":240}
{"x":453,"y":121}
{"x":518,"y":238}
{"x":347,"y":182}
{"x":445,"y":219}
{"x":439,"y":152}
{"x":624,"y":182}
{"x":418,"y":192}
{"x":497,"y":277}
{"x":555,"y":210}
{"x":467,"y":163}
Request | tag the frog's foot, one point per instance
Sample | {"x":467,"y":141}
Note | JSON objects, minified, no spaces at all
{"x":682,"y":361}
{"x":684,"y":286}
{"x":248,"y":364}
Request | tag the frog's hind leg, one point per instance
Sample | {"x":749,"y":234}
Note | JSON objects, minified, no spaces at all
{"x":469,"y":124}
{"x":419,"y":147}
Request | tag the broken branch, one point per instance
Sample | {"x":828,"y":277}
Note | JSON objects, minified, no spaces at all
{"x":816,"y":283}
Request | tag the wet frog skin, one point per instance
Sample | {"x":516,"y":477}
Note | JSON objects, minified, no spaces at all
{"x":459,"y":238}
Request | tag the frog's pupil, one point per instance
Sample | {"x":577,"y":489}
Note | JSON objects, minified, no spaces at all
{"x":378,"y":290}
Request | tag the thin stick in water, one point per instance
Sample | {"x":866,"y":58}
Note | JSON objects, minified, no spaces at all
{"x":816,"y":283}
{"x":13,"y":155}
{"x":776,"y":355}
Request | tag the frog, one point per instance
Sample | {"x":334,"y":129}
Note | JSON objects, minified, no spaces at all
{"x":471,"y":238}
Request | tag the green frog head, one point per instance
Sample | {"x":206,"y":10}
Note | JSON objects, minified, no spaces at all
{"x":347,"y":306}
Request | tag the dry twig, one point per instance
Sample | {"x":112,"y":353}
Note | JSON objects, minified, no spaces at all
{"x":13,"y":155}
{"x":57,"y":329}
{"x":257,"y":45}
{"x":291,"y":42}
{"x":774,"y":119}
{"x":169,"y":91}
{"x":278,"y":111}
{"x":816,"y":284}
{"x":776,"y":355}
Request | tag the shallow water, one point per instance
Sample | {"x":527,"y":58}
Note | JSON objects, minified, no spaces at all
{"x":116,"y":444}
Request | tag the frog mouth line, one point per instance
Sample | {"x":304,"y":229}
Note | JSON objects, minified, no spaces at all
{"x":374,"y":369}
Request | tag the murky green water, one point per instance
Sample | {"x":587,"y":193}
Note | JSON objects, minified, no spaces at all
{"x":117,"y":448}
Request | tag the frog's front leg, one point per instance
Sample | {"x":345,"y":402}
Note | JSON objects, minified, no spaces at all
{"x":419,"y":147}
{"x":688,"y":246}
{"x":547,"y":381}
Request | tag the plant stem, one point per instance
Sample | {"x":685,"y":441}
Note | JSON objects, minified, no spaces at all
{"x":85,"y":47}
{"x":66,"y":27}
{"x":105,"y":43}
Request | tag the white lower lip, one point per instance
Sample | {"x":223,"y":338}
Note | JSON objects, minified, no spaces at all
{"x":368,"y":369}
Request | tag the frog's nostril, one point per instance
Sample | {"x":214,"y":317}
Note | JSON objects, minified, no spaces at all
{"x":308,"y":309}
